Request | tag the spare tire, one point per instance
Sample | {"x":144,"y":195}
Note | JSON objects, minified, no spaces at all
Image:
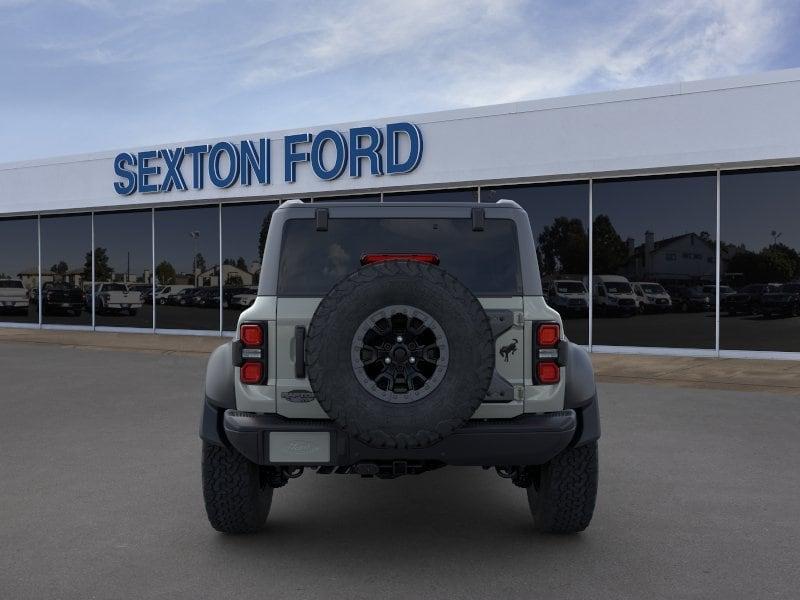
{"x":400,"y":354}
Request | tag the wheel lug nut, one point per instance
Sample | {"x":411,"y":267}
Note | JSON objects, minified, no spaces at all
{"x":387,"y":360}
{"x":412,"y":360}
{"x":399,"y":339}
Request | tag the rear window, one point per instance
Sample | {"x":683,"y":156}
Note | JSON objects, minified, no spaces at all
{"x":312,"y":261}
{"x":10,"y":283}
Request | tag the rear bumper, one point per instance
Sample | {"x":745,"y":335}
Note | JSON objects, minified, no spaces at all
{"x":525,"y":440}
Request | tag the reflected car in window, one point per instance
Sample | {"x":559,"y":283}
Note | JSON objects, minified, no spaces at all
{"x":14,"y":297}
{"x":62,"y":298}
{"x":784,"y":302}
{"x":651,"y":297}
{"x":691,"y":299}
{"x":181,"y":297}
{"x":747,"y":301}
{"x":245,"y":299}
{"x":724,"y":291}
{"x":568,"y":297}
{"x":613,"y":295}
{"x":116,"y":298}
{"x":204,"y":297}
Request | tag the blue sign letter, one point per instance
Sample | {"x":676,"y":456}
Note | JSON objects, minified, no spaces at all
{"x":414,"y":154}
{"x":173,"y":176}
{"x":197,"y":152}
{"x":145,"y":170}
{"x":213,"y":164}
{"x":372,"y":151}
{"x":317,"y":149}
{"x":122,"y":159}
{"x":291,"y":157}
{"x":254,"y":161}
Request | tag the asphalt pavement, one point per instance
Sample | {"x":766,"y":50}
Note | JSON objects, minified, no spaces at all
{"x":100,"y":498}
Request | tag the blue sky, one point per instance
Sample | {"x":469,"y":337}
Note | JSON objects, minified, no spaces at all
{"x":88,"y":75}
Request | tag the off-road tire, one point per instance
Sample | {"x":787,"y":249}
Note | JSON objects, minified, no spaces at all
{"x":368,"y":418}
{"x":236,"y":493}
{"x":563,"y":494}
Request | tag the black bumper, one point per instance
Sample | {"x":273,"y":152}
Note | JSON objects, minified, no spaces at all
{"x":525,"y":440}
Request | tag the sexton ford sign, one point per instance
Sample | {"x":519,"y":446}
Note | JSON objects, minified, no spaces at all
{"x":224,"y":164}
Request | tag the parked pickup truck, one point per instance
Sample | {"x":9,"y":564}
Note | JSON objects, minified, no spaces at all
{"x":14,"y":297}
{"x":61,"y":297}
{"x":116,"y":298}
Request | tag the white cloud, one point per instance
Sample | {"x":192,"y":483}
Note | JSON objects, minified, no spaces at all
{"x":481,"y":52}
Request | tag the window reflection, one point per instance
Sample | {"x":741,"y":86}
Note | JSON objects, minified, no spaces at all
{"x":123,"y":269}
{"x":244,"y":233}
{"x":187,"y":268}
{"x":66,"y":269}
{"x":760,"y":260}
{"x":559,"y":217}
{"x":19,"y":270}
{"x":654,"y":265}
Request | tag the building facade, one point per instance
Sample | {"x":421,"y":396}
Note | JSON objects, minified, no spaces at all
{"x":693,"y":187}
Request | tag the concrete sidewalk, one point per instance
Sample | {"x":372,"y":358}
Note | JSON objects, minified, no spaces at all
{"x":775,"y":376}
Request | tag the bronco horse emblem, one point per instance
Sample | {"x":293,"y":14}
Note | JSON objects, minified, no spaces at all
{"x":511,"y":348}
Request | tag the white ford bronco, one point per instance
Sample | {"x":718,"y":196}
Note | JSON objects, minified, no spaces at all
{"x":391,"y":340}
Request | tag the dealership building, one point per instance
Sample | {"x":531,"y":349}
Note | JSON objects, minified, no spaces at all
{"x":683,"y":199}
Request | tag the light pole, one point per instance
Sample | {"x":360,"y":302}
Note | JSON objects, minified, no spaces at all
{"x":195,"y":235}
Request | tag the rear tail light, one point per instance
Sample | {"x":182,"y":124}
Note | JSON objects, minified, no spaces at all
{"x":547,"y":360}
{"x":371,"y":259}
{"x":252,"y":372}
{"x":250,"y":353}
{"x":547,"y":335}
{"x":251,"y":334}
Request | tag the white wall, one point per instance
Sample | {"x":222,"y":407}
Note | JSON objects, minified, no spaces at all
{"x":724,"y":122}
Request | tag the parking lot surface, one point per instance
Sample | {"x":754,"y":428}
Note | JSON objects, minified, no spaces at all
{"x":100,"y":498}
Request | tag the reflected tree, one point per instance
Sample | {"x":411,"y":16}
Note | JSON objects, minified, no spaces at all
{"x":165,"y":273}
{"x":262,"y":235}
{"x":609,"y":252}
{"x":60,"y":268}
{"x":102,"y":270}
{"x":563,"y":247}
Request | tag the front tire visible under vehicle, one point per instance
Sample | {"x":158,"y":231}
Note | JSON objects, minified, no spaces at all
{"x":236,"y":491}
{"x":563,"y":491}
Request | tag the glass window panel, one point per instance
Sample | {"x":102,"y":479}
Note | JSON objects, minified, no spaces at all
{"x":654,"y":261}
{"x":123,"y":260}
{"x":187,"y":268}
{"x":559,"y":218}
{"x":244,"y":232}
{"x":66,"y":269}
{"x":19,"y":270}
{"x":465,"y":195}
{"x":760,"y":260}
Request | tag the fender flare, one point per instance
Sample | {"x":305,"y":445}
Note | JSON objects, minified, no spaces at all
{"x":579,"y":386}
{"x":219,"y":395}
{"x":580,"y":394}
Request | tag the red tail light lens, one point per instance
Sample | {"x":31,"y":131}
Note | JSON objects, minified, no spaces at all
{"x":251,"y":372}
{"x":548,"y":372}
{"x":371,"y":259}
{"x":251,"y":335}
{"x":547,"y":335}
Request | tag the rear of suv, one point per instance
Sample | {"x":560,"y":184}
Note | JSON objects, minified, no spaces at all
{"x":395,"y":340}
